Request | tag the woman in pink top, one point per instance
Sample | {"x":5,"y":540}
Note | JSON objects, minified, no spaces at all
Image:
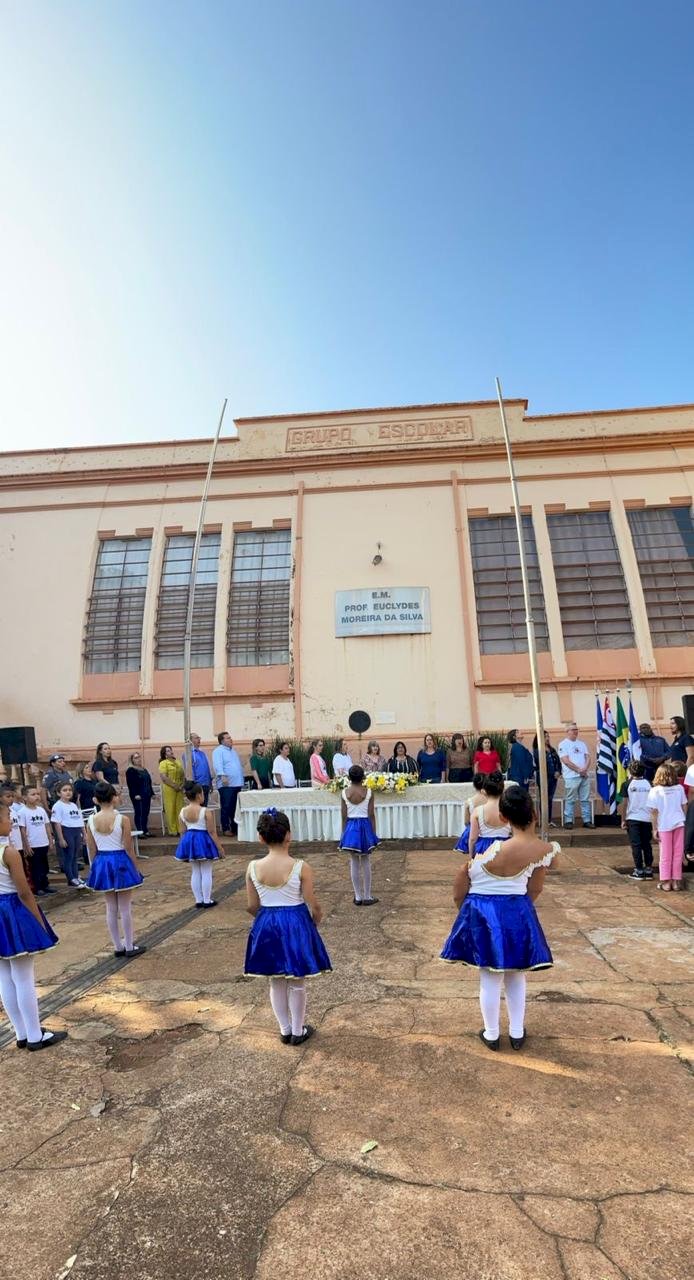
{"x":317,"y":765}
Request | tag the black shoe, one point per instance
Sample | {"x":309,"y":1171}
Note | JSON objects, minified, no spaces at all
{"x":199,"y":906}
{"x":286,"y":1039}
{"x":48,"y":889}
{"x":588,"y":826}
{"x":136,"y":951}
{"x":369,"y":902}
{"x":568,"y":826}
{"x":517,"y":1042}
{"x":489,"y":1044}
{"x":637,"y":875}
{"x":307,"y":1033}
{"x":648,"y":873}
{"x":211,"y":903}
{"x":358,"y":902}
{"x":120,"y":953}
{"x":21,"y":1044}
{"x":55,"y":1037}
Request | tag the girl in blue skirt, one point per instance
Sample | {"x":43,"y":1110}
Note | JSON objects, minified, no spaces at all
{"x":497,"y":929}
{"x":477,"y":798}
{"x":358,"y":837}
{"x":199,"y":844}
{"x":24,"y":931}
{"x":284,"y":944}
{"x":112,"y":870}
{"x":487,"y":825}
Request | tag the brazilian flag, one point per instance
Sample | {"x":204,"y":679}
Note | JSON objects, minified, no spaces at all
{"x":623,"y":749}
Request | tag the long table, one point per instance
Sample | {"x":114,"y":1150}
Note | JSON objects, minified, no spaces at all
{"x":423,"y":811}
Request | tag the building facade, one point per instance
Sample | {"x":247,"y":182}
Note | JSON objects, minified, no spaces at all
{"x":397,"y":522}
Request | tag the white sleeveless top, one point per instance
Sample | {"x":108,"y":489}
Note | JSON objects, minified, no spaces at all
{"x":485,"y":881}
{"x":7,"y":884}
{"x":200,"y":825}
{"x":359,"y":810}
{"x":495,"y":833}
{"x":283,"y":895}
{"x":112,"y":841}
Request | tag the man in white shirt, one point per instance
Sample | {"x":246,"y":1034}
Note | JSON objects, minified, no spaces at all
{"x":575,"y":762}
{"x":229,"y":780}
{"x":282,"y":768}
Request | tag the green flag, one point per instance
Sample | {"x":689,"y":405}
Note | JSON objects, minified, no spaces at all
{"x":623,"y":751}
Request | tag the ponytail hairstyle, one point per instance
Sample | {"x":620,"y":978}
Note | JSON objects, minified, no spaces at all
{"x":192,"y":790}
{"x":273,"y":826}
{"x":516,"y":807}
{"x":494,"y":784}
{"x":104,"y":793}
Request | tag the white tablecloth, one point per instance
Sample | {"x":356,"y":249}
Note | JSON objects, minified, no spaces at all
{"x":422,"y":811}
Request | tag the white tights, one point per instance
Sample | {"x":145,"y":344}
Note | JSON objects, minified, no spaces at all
{"x":18,"y":994}
{"x":360,"y":871}
{"x":288,"y":1000}
{"x":119,"y":915}
{"x":513,"y":983}
{"x":201,"y":880}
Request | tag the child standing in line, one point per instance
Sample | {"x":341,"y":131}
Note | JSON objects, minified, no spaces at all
{"x":636,"y":821}
{"x":473,"y":802}
{"x":358,"y":837}
{"x":667,"y":804}
{"x":199,"y":844}
{"x":68,"y":823}
{"x":24,"y":931}
{"x":486,"y":824}
{"x":497,"y":929}
{"x":38,"y":839}
{"x":112,"y":870}
{"x":284,"y":944}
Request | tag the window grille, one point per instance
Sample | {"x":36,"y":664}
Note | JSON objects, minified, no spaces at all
{"x":173,"y":601}
{"x":664,"y":545}
{"x":258,"y":618}
{"x":593,"y":599}
{"x":499,"y":586}
{"x":113,"y":630}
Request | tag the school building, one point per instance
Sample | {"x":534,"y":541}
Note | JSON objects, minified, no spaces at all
{"x":360,"y":559}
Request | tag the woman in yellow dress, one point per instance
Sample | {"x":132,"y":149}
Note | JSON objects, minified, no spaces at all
{"x":172,"y":780}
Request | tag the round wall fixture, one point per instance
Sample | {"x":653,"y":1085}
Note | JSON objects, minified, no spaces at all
{"x":359,"y":721}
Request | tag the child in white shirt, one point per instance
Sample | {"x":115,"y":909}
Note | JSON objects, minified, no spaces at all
{"x":38,"y":839}
{"x":668,"y":803}
{"x":636,"y":821}
{"x":67,"y":818}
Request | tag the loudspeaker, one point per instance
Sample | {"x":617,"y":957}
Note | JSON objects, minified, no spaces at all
{"x":688,"y":712}
{"x":18,"y":746}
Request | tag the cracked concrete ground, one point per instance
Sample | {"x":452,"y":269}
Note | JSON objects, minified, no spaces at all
{"x":174,"y":1135}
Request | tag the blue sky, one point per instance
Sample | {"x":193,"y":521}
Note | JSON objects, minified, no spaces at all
{"x":318,"y":205}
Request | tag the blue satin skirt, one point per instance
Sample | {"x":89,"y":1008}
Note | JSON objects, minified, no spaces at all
{"x":20,"y":932}
{"x":113,"y":871}
{"x":358,"y":836}
{"x":285,"y":943}
{"x":463,"y":844}
{"x":196,"y":846}
{"x":498,"y":931}
{"x":482,"y":843}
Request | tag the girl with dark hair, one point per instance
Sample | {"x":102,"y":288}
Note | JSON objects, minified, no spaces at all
{"x":198,"y":844}
{"x":358,"y":837}
{"x":486,"y":823}
{"x":473,"y":802}
{"x":284,"y":944}
{"x":400,"y":762}
{"x":112,"y":870}
{"x":497,"y":929}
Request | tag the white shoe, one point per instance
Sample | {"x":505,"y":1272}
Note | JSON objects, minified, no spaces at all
{"x":79,"y":884}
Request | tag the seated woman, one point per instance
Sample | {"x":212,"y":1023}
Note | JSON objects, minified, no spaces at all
{"x":317,"y":765}
{"x":373,"y":761}
{"x":400,"y":762}
{"x":431,"y":761}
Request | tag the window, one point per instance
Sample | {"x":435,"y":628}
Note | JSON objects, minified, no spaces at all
{"x":499,"y":585}
{"x":113,"y":632}
{"x":173,"y":601}
{"x":664,"y":546}
{"x":258,"y":621}
{"x":593,"y":599}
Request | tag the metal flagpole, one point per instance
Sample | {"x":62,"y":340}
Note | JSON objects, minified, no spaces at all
{"x":188,"y":634}
{"x":530,"y":627}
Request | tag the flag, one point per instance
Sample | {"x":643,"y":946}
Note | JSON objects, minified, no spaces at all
{"x":606,"y":759}
{"x":623,"y":748}
{"x":634,"y":735}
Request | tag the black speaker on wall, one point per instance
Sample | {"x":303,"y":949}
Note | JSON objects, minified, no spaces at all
{"x":18,"y":745}
{"x":688,"y":712}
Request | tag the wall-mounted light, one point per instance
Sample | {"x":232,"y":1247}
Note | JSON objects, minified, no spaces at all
{"x":378,"y":558}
